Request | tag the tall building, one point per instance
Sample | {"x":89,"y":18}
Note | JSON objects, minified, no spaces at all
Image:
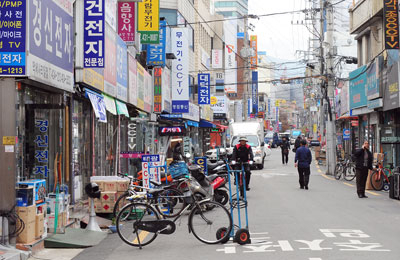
{"x":232,"y":8}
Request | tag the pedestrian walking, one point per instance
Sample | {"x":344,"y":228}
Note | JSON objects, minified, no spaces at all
{"x":302,"y":161}
{"x":243,"y":153}
{"x":297,"y":143}
{"x":285,"y":148}
{"x":363,"y":159}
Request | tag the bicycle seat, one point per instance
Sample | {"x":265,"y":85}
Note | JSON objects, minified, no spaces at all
{"x":155,"y":191}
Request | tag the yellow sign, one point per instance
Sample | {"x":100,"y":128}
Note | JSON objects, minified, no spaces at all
{"x":277,"y":103}
{"x":9,"y":140}
{"x":315,"y":128}
{"x":149,"y":16}
{"x":213,"y":100}
{"x":253,"y":44}
{"x":93,"y":79}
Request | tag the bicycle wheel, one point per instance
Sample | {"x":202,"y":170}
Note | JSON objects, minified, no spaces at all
{"x":350,"y":173}
{"x":338,"y":171}
{"x":120,"y":203}
{"x":377,"y":180}
{"x":206,"y":220}
{"x":127,"y":227}
{"x":170,"y":202}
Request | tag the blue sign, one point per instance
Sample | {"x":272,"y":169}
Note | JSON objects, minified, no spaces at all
{"x":372,"y":83}
{"x":202,"y":162}
{"x":254,"y":91}
{"x":269,"y":107}
{"x":171,"y":115}
{"x":358,"y":81}
{"x":98,"y":104}
{"x":204,"y":88}
{"x":156,"y":52}
{"x":12,"y":35}
{"x":346,"y":134}
{"x":94,"y":34}
{"x":151,"y":158}
{"x":122,"y":70}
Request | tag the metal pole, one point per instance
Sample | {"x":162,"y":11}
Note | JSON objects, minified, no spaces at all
{"x":246,"y":71}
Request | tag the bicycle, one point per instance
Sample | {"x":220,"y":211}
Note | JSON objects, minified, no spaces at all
{"x":346,"y":168}
{"x":209,"y":221}
{"x":380,"y":177}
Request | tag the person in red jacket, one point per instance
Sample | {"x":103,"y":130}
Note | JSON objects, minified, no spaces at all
{"x":242,"y":153}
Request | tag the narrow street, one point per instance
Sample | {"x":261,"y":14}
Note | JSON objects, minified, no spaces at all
{"x":326,"y":222}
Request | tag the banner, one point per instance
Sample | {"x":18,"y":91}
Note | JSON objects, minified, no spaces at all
{"x":93,"y":37}
{"x":13,"y":33}
{"x":230,"y":31}
{"x":157,"y":101}
{"x":180,"y":70}
{"x":166,"y":92}
{"x":391,"y":23}
{"x":253,"y":44}
{"x":148,"y":92}
{"x":51,"y":48}
{"x":156,"y":52}
{"x":204,"y":89}
{"x":358,"y":97}
{"x":140,"y":85}
{"x":110,"y":68}
{"x":148,"y":21}
{"x":126,"y":21}
{"x":133,"y":87}
{"x":216,"y":56}
{"x":122,"y":70}
{"x":254,"y":91}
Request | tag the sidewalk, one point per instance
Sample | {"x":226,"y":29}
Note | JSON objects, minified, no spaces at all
{"x":9,"y":253}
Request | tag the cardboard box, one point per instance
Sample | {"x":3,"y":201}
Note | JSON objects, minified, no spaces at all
{"x":61,"y":221}
{"x":39,"y":225}
{"x":378,"y":158}
{"x":122,"y":186}
{"x":100,"y":184}
{"x":105,"y":208}
{"x":27,"y":236}
{"x":25,"y":196}
{"x":108,"y":197}
{"x":110,"y":186}
{"x":27,"y":214}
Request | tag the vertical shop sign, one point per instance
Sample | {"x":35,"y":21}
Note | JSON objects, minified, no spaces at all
{"x":180,"y":71}
{"x":156,"y":52}
{"x":148,"y":91}
{"x":253,"y":44}
{"x":12,"y":38}
{"x":122,"y":70}
{"x":51,"y":43}
{"x":133,"y":88}
{"x":148,"y":21}
{"x":204,"y":89}
{"x":372,"y":83}
{"x":166,"y":92}
{"x":391,"y":23}
{"x":230,"y":30}
{"x":216,"y":56}
{"x":149,"y":173}
{"x":110,"y":68}
{"x":41,"y":148}
{"x":157,"y":90}
{"x":93,"y":37}
{"x":126,"y":21}
{"x":140,"y":86}
{"x":254,"y":91}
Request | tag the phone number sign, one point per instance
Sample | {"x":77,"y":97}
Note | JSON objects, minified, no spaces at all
{"x":12,"y":37}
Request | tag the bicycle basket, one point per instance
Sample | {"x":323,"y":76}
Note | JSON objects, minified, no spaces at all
{"x":178,"y":169}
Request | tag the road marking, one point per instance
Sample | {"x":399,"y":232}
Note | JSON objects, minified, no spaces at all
{"x":319,"y":171}
{"x":142,"y":236}
{"x":315,"y":258}
{"x":329,"y":178}
{"x":348,"y":184}
{"x":373,"y":193}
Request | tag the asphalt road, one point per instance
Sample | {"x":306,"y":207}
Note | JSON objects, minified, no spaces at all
{"x":328,"y":221}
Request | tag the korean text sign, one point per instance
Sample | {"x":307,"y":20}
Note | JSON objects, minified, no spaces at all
{"x":122,"y":70}
{"x":204,"y":88}
{"x":253,"y":44}
{"x":156,"y":52}
{"x":358,"y":96}
{"x":126,"y":21}
{"x":180,"y":70}
{"x":149,"y":173}
{"x":148,"y":15}
{"x":12,"y":38}
{"x":391,"y":23}
{"x":157,"y":101}
{"x":41,"y":148}
{"x":254,"y":91}
{"x":94,"y":34}
{"x":51,"y":43}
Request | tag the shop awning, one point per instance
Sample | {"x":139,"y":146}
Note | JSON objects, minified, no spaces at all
{"x":98,"y":105}
{"x":192,"y":123}
{"x":121,"y":108}
{"x":206,"y":124}
{"x":348,"y":118}
{"x":110,"y":104}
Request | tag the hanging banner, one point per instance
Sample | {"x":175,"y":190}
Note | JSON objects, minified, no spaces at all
{"x":391,"y":23}
{"x":110,"y":68}
{"x":204,"y":89}
{"x":156,"y":52}
{"x":140,"y":86}
{"x":148,"y":21}
{"x":122,"y":70}
{"x":230,"y":31}
{"x":93,"y":55}
{"x":126,"y":22}
{"x":99,"y":106}
{"x":253,"y":44}
{"x":216,"y":56}
{"x":166,"y":92}
{"x":157,"y":101}
{"x":180,"y":70}
{"x":12,"y":51}
{"x":51,"y":43}
{"x":133,"y":87}
{"x":254,"y":91}
{"x":148,"y":91}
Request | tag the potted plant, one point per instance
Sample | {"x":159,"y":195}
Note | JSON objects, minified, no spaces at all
{"x":113,"y":227}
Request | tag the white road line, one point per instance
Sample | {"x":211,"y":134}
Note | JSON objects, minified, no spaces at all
{"x":315,"y":258}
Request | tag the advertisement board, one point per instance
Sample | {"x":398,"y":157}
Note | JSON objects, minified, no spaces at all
{"x":110,"y":68}
{"x":391,"y":24}
{"x":133,"y":87}
{"x":122,"y":70}
{"x":253,"y":44}
{"x":166,"y":90}
{"x":254,"y":91}
{"x":358,"y":79}
{"x":203,"y":81}
{"x":126,"y":22}
{"x":230,"y":34}
{"x":156,"y":52}
{"x":157,"y":98}
{"x":140,"y":86}
{"x":216,"y":56}
{"x":221,"y":105}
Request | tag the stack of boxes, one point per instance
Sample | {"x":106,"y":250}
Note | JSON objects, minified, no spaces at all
{"x":31,"y":208}
{"x":111,"y":189}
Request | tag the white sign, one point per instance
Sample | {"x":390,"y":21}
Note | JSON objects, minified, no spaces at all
{"x":205,"y":58}
{"x":149,"y":173}
{"x":194,"y":113}
{"x":221,"y":106}
{"x":216,"y":56}
{"x":166,"y":89}
{"x":180,"y":70}
{"x":230,"y":30}
{"x":132,"y":80}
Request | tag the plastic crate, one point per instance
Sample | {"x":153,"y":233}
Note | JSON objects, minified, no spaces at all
{"x":178,"y":169}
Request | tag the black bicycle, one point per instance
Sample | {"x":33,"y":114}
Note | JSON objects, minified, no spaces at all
{"x":139,"y":223}
{"x":345,"y":168}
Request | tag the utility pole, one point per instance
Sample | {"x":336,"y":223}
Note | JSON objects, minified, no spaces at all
{"x":246,"y":71}
{"x":321,"y":70}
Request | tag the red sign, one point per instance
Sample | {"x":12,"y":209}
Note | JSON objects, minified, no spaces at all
{"x":126,"y":21}
{"x":157,"y":101}
{"x":354,"y":122}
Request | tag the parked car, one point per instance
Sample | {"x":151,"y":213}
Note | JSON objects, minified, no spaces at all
{"x":314,"y":143}
{"x":212,"y":154}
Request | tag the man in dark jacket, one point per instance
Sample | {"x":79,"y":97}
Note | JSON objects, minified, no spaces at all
{"x":285,"y":147}
{"x":363,"y":158}
{"x":243,"y":153}
{"x":302,"y":162}
{"x":297,"y":143}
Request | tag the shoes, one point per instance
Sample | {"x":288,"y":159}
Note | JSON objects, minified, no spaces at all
{"x":306,"y":187}
{"x":301,"y":187}
{"x":364,"y":196}
{"x":247,"y":188}
{"x":360,"y":196}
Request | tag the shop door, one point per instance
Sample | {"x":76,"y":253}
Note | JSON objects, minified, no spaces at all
{"x":46,"y":152}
